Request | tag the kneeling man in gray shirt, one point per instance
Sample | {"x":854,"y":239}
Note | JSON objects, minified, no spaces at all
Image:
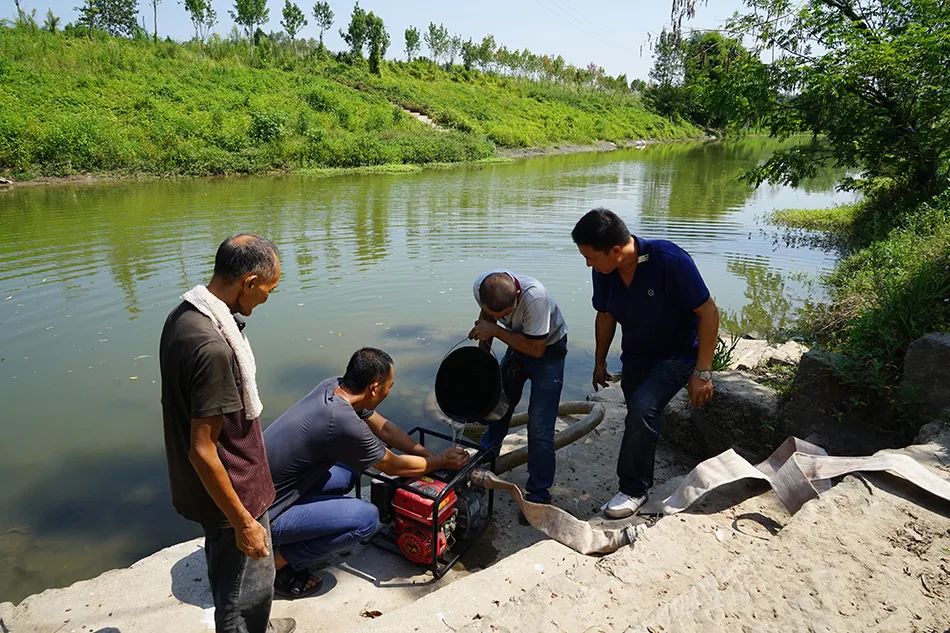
{"x":316,"y":450}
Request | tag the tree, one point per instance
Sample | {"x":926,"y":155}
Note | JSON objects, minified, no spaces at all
{"x":116,"y":17}
{"x":294,"y":19}
{"x":469,"y":54}
{"x":868,"y":80}
{"x":155,"y":4}
{"x":52,"y":22}
{"x":250,"y":14}
{"x":24,"y":19}
{"x":377,"y":40}
{"x":87,"y":15}
{"x":452,"y":50}
{"x":355,"y":34}
{"x":323,"y":15}
{"x":486,"y":52}
{"x":437,"y":39}
{"x":722,"y":81}
{"x":503,"y":57}
{"x":665,"y":94}
{"x":203,"y":17}
{"x":558,"y":66}
{"x":412,"y":42}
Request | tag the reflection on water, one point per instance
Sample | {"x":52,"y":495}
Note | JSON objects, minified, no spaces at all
{"x":88,"y":273}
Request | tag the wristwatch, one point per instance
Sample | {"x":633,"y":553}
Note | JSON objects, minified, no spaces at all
{"x":703,"y":374}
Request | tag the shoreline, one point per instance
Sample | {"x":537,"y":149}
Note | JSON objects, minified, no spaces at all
{"x":502,"y":156}
{"x":512,"y":569}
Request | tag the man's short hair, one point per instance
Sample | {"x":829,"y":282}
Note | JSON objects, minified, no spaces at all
{"x":366,"y":366}
{"x":246,"y":253}
{"x":601,"y":229}
{"x":497,"y":292}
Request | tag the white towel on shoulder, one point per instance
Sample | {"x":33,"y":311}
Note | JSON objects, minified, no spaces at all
{"x":219,"y":313}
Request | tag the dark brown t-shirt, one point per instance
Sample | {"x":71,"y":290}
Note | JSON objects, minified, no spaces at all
{"x":200,"y":378}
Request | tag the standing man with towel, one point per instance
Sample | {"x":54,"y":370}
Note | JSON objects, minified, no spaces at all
{"x":213,"y":441}
{"x":520,"y":312}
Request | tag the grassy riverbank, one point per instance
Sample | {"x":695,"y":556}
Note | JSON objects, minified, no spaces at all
{"x":892,"y":287}
{"x":73,"y":105}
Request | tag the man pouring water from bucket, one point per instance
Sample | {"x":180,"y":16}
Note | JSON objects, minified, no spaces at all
{"x":520,"y":312}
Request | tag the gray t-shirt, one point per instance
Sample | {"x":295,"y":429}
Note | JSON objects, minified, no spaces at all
{"x":536,"y":314}
{"x":315,"y":433}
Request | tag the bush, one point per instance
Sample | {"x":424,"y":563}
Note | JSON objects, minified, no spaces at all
{"x":451,"y":147}
{"x":267,"y":126}
{"x":509,"y":137}
{"x":82,"y":143}
{"x":16,"y":144}
{"x":321,"y":101}
{"x":197,"y":159}
{"x":455,"y":119}
{"x":884,"y":296}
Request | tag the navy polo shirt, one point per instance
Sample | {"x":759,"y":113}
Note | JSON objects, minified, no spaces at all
{"x":656,"y":312}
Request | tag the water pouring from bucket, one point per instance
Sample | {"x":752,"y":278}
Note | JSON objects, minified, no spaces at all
{"x":468,"y":387}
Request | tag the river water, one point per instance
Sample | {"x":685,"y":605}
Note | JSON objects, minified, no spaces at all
{"x":89,"y":272}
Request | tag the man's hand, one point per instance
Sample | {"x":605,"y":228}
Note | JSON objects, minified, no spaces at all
{"x":251,"y":539}
{"x":602,"y":377}
{"x":454,"y":458}
{"x":700,"y":391}
{"x":484,"y":331}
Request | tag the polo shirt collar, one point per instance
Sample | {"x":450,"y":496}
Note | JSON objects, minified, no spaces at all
{"x":644,"y":248}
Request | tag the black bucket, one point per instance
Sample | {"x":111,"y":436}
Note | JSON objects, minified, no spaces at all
{"x":468,"y":386}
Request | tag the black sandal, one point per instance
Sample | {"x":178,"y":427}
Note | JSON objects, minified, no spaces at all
{"x":290,"y":584}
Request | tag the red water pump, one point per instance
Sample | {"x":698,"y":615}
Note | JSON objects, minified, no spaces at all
{"x":414,"y":512}
{"x":432,"y":520}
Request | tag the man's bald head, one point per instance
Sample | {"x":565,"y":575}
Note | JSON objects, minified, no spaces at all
{"x":498,"y":292}
{"x":246,"y":253}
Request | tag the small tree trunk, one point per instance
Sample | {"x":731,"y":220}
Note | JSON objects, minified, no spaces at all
{"x":155,"y":21}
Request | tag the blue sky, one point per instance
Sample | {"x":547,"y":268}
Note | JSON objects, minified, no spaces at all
{"x":611,"y":33}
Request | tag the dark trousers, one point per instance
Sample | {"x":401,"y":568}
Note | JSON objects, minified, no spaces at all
{"x":547,"y":377}
{"x":242,"y":588}
{"x":647,"y":388}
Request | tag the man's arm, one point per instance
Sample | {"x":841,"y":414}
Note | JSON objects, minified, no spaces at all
{"x":485,"y":330}
{"x":700,"y":391}
{"x":605,"y":326}
{"x":392,"y":435}
{"x":483,"y":316}
{"x":251,"y":537}
{"x":415,"y":465}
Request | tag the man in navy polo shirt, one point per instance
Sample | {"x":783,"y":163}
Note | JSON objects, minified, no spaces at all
{"x":669,"y":322}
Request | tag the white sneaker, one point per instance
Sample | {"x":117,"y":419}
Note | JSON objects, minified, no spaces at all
{"x":623,"y":505}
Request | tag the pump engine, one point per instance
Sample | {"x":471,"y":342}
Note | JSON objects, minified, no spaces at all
{"x":432,"y":520}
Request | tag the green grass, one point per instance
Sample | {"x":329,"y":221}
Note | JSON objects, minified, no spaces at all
{"x":72,"y":105}
{"x":838,"y":219}
{"x":893,"y":288}
{"x":516,"y":112}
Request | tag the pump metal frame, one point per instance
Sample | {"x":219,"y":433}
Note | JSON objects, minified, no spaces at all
{"x":483,"y":459}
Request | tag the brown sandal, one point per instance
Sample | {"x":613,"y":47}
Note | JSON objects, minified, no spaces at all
{"x":291,"y":585}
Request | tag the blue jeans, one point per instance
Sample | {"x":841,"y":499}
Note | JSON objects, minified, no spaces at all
{"x":647,"y":388}
{"x":242,"y":589}
{"x":324,"y":520}
{"x":547,"y":376}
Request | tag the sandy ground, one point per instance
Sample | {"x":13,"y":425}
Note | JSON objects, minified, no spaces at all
{"x":870,"y":555}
